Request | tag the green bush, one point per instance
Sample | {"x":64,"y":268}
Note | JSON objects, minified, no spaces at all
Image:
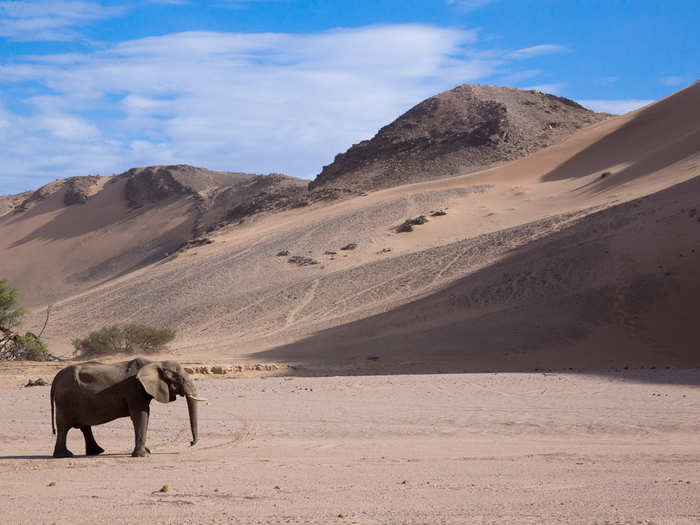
{"x":10,"y":311}
{"x":127,"y":339}
{"x":13,"y":346}
{"x":31,"y":348}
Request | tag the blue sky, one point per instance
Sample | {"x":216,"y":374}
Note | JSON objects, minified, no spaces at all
{"x":282,"y":85}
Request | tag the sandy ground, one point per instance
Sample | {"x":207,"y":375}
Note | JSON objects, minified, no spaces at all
{"x":607,"y":447}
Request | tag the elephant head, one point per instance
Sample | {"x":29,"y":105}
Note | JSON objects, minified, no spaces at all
{"x":164,"y":381}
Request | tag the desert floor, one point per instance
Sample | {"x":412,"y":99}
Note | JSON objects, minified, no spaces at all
{"x":609,"y":447}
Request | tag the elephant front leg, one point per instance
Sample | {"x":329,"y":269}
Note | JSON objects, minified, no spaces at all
{"x":140,"y":420}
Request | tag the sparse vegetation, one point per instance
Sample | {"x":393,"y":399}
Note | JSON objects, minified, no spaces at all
{"x":13,"y":345}
{"x":32,"y":348}
{"x":127,"y":339}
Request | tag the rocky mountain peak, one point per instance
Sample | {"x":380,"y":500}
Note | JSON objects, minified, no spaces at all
{"x":467,"y":128}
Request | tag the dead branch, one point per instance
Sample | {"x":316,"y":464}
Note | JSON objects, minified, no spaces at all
{"x":46,"y":321}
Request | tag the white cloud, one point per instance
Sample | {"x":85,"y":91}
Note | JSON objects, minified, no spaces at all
{"x":51,"y":20}
{"x":231,"y":101}
{"x":518,"y":76}
{"x":616,"y":107}
{"x":535,"y":51}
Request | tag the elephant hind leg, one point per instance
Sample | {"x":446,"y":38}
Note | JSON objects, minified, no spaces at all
{"x":91,"y":446}
{"x":61,"y":450}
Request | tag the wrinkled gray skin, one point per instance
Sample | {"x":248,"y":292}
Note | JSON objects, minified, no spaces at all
{"x":93,"y":393}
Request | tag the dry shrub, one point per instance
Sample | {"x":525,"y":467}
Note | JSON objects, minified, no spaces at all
{"x":127,"y":339}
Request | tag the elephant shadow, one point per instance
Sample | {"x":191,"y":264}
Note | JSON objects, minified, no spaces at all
{"x":81,"y":456}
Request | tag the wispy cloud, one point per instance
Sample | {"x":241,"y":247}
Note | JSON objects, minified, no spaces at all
{"x":675,"y":80}
{"x":535,"y":51}
{"x":518,"y":76}
{"x":236,"y":101}
{"x":555,"y":88}
{"x":50,"y":20}
{"x":469,"y":5}
{"x":616,"y":107}
{"x":255,"y":102}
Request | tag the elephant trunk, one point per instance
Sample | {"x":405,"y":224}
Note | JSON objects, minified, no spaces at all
{"x":192,"y":398}
{"x":192,"y":409}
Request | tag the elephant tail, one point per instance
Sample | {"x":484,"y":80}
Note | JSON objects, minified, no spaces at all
{"x":53,"y":428}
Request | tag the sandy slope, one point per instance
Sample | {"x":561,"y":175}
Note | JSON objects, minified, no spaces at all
{"x":450,"y":448}
{"x":52,"y":251}
{"x":537,"y":264}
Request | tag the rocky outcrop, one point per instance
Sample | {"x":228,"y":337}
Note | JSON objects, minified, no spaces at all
{"x":458,"y":131}
{"x":78,"y":189}
{"x":155,"y":183}
{"x":9,"y":203}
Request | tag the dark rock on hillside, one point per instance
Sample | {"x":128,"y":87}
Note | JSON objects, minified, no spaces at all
{"x":408,"y":224}
{"x":273,"y":192}
{"x":458,"y":131}
{"x":216,"y":198}
{"x":9,"y":203}
{"x":78,"y":189}
{"x":300,"y":260}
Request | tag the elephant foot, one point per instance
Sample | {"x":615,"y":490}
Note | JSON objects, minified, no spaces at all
{"x":140,"y":453}
{"x":65,"y":453}
{"x":94,"y":451}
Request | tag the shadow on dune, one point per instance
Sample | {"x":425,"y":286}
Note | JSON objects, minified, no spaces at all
{"x":657,"y":137}
{"x":589,"y":297}
{"x":663,"y":376}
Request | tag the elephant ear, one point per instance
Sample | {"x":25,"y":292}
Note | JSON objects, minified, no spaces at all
{"x":150,"y":376}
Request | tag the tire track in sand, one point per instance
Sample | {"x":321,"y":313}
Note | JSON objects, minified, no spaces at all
{"x":308,"y":297}
{"x":246,"y":432}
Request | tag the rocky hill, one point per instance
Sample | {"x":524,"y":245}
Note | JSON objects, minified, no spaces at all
{"x":217,"y":195}
{"x":458,"y":131}
{"x":110,"y":225}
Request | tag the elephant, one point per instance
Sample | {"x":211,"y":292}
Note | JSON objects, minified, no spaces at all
{"x":94,"y":393}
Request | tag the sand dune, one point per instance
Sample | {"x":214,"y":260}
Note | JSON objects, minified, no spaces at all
{"x":535,"y":263}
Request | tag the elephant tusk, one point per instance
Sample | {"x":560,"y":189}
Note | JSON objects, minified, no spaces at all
{"x":195,"y":398}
